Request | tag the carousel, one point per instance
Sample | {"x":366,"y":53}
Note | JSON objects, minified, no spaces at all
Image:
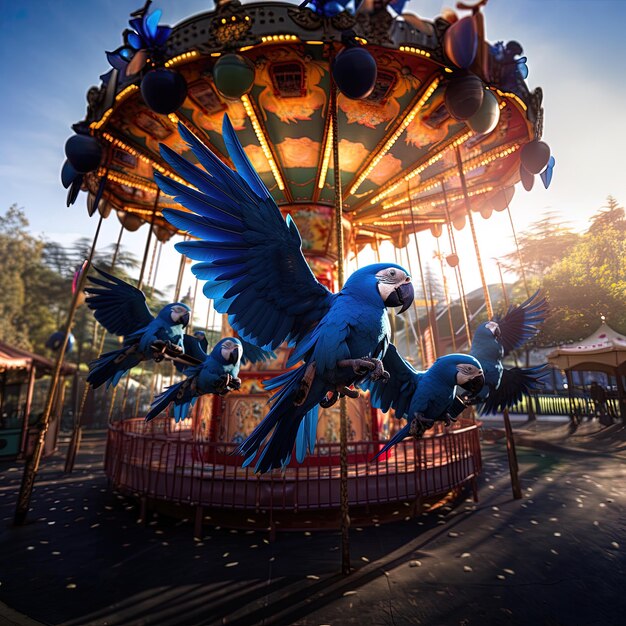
{"x":368,"y":125}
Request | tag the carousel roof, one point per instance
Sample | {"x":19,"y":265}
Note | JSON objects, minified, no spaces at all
{"x":398,"y":147}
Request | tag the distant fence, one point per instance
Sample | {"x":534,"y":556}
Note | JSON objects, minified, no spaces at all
{"x":153,"y":462}
{"x":579,"y":405}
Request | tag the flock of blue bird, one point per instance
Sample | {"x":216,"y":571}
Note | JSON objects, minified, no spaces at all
{"x":250,"y":259}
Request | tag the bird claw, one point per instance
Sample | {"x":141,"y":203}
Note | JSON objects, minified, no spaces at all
{"x":158,"y":350}
{"x":367,"y":365}
{"x":305,"y":385}
{"x":235,"y":383}
{"x":222,"y":385}
{"x":449,"y":419}
{"x":174,"y":348}
{"x":329,"y":400}
{"x":419,"y":425}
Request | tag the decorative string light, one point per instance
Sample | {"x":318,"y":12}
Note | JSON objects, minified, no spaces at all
{"x":247,"y":105}
{"x":392,"y":140}
{"x":326,"y":160}
{"x":413,"y":50}
{"x":182,"y":58}
{"x":274,"y":38}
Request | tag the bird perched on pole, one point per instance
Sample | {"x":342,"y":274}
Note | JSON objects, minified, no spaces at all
{"x":494,"y":340}
{"x":423,"y":397}
{"x":216,"y":373}
{"x":252,"y":262}
{"x":122,"y":310}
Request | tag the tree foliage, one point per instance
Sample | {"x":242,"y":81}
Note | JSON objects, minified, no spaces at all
{"x":546,"y":241}
{"x":30,"y":287}
{"x":589,"y":281}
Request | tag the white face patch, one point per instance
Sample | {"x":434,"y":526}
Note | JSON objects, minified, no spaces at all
{"x":227,"y":349}
{"x":493,"y":327}
{"x":390,"y":278}
{"x":178,"y":312}
{"x":466,"y":372}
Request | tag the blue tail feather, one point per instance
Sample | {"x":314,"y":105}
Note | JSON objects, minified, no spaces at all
{"x":403,"y":433}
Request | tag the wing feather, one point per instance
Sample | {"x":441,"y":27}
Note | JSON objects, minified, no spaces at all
{"x":118,"y":306}
{"x":249,"y":255}
{"x":521,"y":323}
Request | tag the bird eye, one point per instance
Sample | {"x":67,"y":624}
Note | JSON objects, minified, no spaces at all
{"x":392,"y":272}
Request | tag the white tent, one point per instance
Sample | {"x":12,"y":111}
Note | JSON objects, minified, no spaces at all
{"x":603,"y":351}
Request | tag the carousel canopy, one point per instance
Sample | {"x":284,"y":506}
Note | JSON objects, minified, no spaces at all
{"x":603,"y":348}
{"x":270,"y":66}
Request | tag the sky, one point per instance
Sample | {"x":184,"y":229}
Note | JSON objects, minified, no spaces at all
{"x":52,"y":51}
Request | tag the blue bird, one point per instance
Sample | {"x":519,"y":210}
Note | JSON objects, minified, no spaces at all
{"x":217,"y":373}
{"x":252,"y":262}
{"x":122,"y":310}
{"x":55,"y":341}
{"x":423,"y":397}
{"x":495,"y":339}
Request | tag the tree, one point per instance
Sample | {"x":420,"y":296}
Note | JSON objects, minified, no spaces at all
{"x":29,"y":287}
{"x":546,"y":241}
{"x":610,"y":215}
{"x":590,"y":281}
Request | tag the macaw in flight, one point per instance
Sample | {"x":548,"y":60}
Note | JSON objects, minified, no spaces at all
{"x":251,"y":259}
{"x":494,"y":340}
{"x":122,"y":310}
{"x":216,"y":372}
{"x":423,"y":397}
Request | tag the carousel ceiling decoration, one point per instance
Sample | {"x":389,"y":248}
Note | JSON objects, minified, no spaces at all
{"x":418,"y":100}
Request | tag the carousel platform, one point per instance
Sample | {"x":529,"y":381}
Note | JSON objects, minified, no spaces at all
{"x":171,"y":471}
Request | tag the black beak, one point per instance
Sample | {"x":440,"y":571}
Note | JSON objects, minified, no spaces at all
{"x":401,"y":296}
{"x":474,"y":385}
{"x":184,"y":320}
{"x":234,"y":356}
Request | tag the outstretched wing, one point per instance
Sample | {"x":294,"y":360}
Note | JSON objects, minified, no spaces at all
{"x":194,"y":347}
{"x":118,"y":306}
{"x":521,"y":323}
{"x":515,"y":383}
{"x":254,"y":354}
{"x":249,"y":256}
{"x":398,"y":391}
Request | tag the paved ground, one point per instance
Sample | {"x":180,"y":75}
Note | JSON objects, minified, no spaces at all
{"x":557,"y":557}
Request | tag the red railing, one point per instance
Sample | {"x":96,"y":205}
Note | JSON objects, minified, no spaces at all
{"x":156,"y":462}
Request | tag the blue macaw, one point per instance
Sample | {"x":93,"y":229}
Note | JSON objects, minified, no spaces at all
{"x":252,"y":260}
{"x":493,"y":340}
{"x":56,"y":339}
{"x":423,"y":397}
{"x":217,"y":372}
{"x":122,"y":310}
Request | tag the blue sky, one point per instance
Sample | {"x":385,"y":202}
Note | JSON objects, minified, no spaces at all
{"x":52,"y":51}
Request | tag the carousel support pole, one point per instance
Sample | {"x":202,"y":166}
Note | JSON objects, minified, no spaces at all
{"x":32,"y":374}
{"x":419,"y":340}
{"x":32,"y":464}
{"x":470,"y":219}
{"x":420,"y":334}
{"x":446,"y":294}
{"x":138,"y":391}
{"x":457,"y":269}
{"x":156,"y":268}
{"x":510,"y":442}
{"x":512,"y":456}
{"x":142,"y":272}
{"x":76,"y":437}
{"x":147,"y":248}
{"x":179,"y":279}
{"x":504,"y":293}
{"x":519,"y":253}
{"x":343,"y":413}
{"x":419,"y":262}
